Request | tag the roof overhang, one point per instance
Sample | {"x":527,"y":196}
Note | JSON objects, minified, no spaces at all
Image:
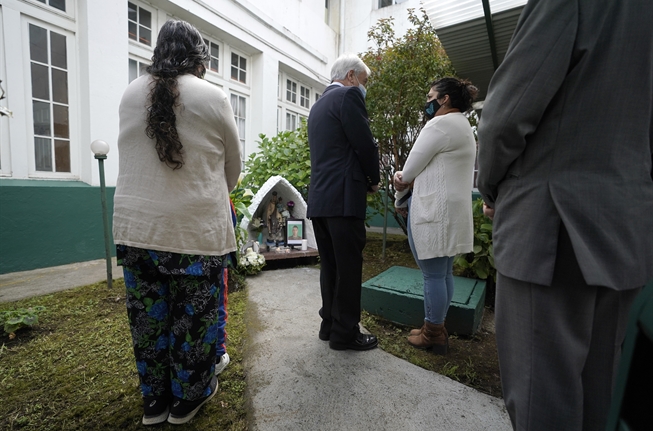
{"x":475,"y":34}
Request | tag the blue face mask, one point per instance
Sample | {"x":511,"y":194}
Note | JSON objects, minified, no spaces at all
{"x":431,"y":108}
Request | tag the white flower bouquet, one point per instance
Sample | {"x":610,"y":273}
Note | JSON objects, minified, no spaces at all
{"x":251,"y":262}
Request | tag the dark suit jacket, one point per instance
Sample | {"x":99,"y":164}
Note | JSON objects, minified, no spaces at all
{"x":344,"y":156}
{"x":566,"y":135}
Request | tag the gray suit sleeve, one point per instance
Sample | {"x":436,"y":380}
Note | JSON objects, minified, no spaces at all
{"x":523,"y":86}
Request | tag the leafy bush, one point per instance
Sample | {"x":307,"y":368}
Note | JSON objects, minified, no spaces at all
{"x":286,"y":154}
{"x":402,"y":70}
{"x":480,"y":262}
{"x":13,"y":320}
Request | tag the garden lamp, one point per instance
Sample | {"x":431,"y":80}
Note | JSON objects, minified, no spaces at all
{"x":100,"y":149}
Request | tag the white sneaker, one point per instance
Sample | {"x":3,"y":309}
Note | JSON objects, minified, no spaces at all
{"x":220,"y":366}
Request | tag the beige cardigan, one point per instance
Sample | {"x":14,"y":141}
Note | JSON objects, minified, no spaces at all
{"x":442,"y":164}
{"x":185,"y":210}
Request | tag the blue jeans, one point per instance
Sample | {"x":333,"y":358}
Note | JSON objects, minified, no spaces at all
{"x":438,"y":282}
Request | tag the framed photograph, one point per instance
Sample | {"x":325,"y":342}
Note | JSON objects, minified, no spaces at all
{"x":294,"y":231}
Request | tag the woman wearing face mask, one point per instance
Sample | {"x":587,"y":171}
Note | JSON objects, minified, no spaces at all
{"x":438,"y":171}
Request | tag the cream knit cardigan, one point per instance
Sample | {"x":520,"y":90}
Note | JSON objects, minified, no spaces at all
{"x":185,"y":210}
{"x":441,"y":163}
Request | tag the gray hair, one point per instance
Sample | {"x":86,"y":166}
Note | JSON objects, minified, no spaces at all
{"x":344,"y":64}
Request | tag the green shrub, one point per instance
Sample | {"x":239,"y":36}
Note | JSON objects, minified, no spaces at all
{"x":403,"y":66}
{"x":286,"y":154}
{"x":13,"y":320}
{"x":480,"y":262}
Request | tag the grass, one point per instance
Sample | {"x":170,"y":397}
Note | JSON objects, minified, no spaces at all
{"x":75,"y":370}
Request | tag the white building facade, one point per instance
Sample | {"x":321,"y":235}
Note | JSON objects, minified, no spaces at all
{"x":64,"y":65}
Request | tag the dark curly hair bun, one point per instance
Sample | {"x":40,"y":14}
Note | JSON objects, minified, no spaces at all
{"x":462,"y":92}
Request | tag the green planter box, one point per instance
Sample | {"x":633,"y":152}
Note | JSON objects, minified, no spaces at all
{"x":398,"y":295}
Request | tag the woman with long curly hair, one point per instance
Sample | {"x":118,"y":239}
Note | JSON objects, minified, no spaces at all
{"x":179,"y":158}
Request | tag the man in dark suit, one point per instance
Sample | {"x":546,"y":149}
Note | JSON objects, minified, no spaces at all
{"x":344,"y":168}
{"x":565,"y":168}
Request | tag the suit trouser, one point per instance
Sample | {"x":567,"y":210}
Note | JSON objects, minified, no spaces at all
{"x":559,"y":347}
{"x":340,"y":241}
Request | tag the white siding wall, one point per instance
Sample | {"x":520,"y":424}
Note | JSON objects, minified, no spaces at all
{"x":276,"y":37}
{"x":360,"y":15}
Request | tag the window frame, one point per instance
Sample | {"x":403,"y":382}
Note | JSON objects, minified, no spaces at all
{"x":248,"y":64}
{"x":295,"y":117}
{"x":296,"y":108}
{"x":392,"y":3}
{"x":290,"y":92}
{"x":242,"y":139}
{"x":221,"y":55}
{"x":304,"y":89}
{"x":154,"y":30}
{"x":73,"y":104}
{"x":140,"y":69}
{"x":69,"y":5}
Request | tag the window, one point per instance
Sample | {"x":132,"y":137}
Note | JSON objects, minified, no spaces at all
{"x":57,"y":4}
{"x":239,"y":105}
{"x":214,"y":52}
{"x":384,"y":3}
{"x":291,"y":121}
{"x":317,"y":96}
{"x":291,"y":91}
{"x":136,"y":69}
{"x":238,"y":68}
{"x":50,"y":105}
{"x":140,"y":24}
{"x":305,"y":97}
{"x":326,"y":11}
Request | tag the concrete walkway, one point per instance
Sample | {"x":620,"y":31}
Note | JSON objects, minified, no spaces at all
{"x":295,"y":381}
{"x":25,"y":284}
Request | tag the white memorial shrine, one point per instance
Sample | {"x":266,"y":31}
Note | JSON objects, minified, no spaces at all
{"x":276,"y":187}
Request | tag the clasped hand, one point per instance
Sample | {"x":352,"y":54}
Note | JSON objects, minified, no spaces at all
{"x":400,"y":186}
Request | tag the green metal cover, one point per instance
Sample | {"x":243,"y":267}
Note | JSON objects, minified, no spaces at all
{"x":397,"y":294}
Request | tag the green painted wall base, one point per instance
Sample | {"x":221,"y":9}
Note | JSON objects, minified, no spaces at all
{"x":50,"y":223}
{"x":398,"y":295}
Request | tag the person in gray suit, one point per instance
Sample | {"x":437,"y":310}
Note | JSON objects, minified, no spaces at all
{"x":565,"y":168}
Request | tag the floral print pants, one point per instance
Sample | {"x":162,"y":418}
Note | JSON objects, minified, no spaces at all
{"x":177,"y":310}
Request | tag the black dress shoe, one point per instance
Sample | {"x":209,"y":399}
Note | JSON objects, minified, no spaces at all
{"x":361,"y":342}
{"x":324,"y":336}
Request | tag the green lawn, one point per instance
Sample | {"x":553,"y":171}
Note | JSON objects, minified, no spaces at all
{"x":75,"y":370}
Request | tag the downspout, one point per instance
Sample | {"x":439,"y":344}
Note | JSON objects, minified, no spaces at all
{"x":490,"y":33}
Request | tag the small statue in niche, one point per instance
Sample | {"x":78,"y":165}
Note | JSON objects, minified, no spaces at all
{"x":274,"y":220}
{"x":282,"y":223}
{"x":271,"y":220}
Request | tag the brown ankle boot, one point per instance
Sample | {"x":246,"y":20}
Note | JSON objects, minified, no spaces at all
{"x":433,"y":337}
{"x":419,"y":331}
{"x":416,"y":331}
